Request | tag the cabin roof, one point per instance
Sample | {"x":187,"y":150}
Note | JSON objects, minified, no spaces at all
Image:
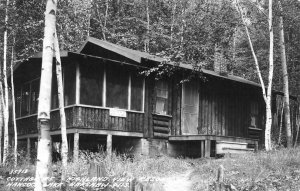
{"x":137,"y":56}
{"x":131,"y":54}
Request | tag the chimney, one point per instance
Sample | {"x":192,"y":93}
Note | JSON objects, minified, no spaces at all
{"x":221,"y":63}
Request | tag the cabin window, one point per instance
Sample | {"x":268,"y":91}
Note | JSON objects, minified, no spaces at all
{"x":91,"y":84}
{"x":117,"y":83}
{"x":69,"y":84}
{"x":254,"y":114}
{"x":111,"y":86}
{"x":161,"y":106}
{"x":26,"y":98}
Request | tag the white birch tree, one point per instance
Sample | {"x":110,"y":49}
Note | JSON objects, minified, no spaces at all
{"x":267,"y":94}
{"x":14,"y":107}
{"x":6,"y":109}
{"x":44,"y":142}
{"x":285,"y":77}
{"x":63,"y":125}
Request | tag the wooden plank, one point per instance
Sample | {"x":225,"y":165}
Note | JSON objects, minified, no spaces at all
{"x":170,"y":82}
{"x":77,"y":98}
{"x":109,"y":145}
{"x":213,"y":114}
{"x":141,"y":116}
{"x":174,"y":108}
{"x":220,"y":114}
{"x":161,"y":129}
{"x":151,"y":108}
{"x":223,"y":129}
{"x":207,"y":148}
{"x":211,"y":137}
{"x":160,"y":123}
{"x":28,"y":148}
{"x":146,"y":110}
{"x":202,"y":148}
{"x":160,"y":135}
{"x":76,"y":146}
{"x":200,"y":111}
{"x":205,"y":113}
{"x":178,"y":111}
{"x":209,"y":115}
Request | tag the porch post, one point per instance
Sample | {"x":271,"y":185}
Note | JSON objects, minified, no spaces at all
{"x":202,"y":149}
{"x":28,"y":147}
{"x":207,"y":148}
{"x":76,"y":146}
{"x":109,"y":145}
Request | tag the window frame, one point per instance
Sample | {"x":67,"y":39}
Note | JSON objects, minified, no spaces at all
{"x":160,"y":97}
{"x":254,"y":113}
{"x":129,"y":90}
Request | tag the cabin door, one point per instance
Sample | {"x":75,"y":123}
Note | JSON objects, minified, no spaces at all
{"x":190,"y":108}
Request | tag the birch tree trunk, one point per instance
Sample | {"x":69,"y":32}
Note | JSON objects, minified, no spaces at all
{"x":266,"y":95}
{"x":14,"y":107}
{"x":285,"y":81}
{"x":63,"y":126}
{"x":44,"y":144}
{"x":1,"y":115}
{"x":280,"y":126}
{"x":268,"y":144}
{"x":297,"y":126}
{"x":6,"y":111}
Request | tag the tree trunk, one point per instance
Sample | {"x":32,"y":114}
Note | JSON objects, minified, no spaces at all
{"x":63,"y":125}
{"x":6,"y":109}
{"x":280,"y":125}
{"x":266,"y":95}
{"x":14,"y":106}
{"x":285,"y":82}
{"x":1,"y":116}
{"x":297,"y":125}
{"x":44,"y":144}
{"x":270,"y":79}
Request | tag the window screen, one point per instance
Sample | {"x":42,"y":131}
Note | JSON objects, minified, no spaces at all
{"x":91,"y":84}
{"x":161,"y":106}
{"x":25,"y":99}
{"x":137,"y":92}
{"x":18,"y":98}
{"x":35,"y":86}
{"x":54,"y":96}
{"x":69,"y":84}
{"x":254,"y":114}
{"x":117,"y":80}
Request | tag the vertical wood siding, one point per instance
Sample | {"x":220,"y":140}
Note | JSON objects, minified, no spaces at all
{"x":224,"y":108}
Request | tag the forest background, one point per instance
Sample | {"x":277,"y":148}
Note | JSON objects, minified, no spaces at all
{"x":185,"y":31}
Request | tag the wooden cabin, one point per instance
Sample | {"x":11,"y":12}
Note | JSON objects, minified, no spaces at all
{"x":108,"y":104}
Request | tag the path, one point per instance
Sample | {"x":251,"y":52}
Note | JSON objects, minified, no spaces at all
{"x":180,"y":182}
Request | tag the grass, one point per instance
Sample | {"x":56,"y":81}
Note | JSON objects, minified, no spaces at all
{"x":276,"y":170}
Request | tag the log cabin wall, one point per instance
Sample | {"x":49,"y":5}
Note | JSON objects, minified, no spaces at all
{"x":224,"y":109}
